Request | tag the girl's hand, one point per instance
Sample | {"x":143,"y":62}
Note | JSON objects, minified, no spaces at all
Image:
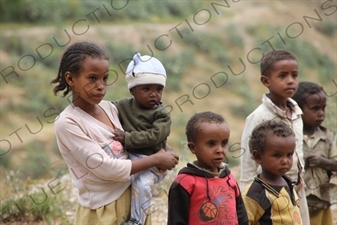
{"x":118,"y":135}
{"x":168,"y":148}
{"x":166,"y":160}
{"x":162,"y":159}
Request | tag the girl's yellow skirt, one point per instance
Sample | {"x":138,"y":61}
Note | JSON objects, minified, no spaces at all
{"x":112,"y":214}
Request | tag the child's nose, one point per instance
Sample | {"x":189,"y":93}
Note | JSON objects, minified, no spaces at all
{"x":284,"y":160}
{"x":221,"y":149}
{"x":321,"y":112}
{"x":291,"y":79}
{"x":100,"y":84}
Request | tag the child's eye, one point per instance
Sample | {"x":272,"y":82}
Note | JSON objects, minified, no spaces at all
{"x":211,"y":143}
{"x":290,"y":154}
{"x":92,"y":78}
{"x":276,"y":155}
{"x":295,"y":75}
{"x":224,"y":143}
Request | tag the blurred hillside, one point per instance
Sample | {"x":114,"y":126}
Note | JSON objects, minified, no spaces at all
{"x":211,"y":50}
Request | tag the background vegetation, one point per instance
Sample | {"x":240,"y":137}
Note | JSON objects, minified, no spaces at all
{"x":206,"y":47}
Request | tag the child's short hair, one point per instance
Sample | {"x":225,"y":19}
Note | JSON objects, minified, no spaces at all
{"x":267,"y":128}
{"x":196,"y":119}
{"x":270,"y":58}
{"x":305,"y":89}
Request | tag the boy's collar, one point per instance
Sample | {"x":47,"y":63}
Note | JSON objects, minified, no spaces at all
{"x":272,"y":107}
{"x":221,"y":168}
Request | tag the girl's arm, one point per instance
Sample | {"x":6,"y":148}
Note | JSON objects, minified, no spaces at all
{"x":78,"y":148}
{"x":166,"y":160}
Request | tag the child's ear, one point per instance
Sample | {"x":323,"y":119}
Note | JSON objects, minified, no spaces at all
{"x":191,"y":146}
{"x":131,"y":91}
{"x":256,"y":155}
{"x":68,"y":76}
{"x":265,"y":80}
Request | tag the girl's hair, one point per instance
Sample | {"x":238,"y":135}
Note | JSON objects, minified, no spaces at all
{"x":266,"y":129}
{"x":305,"y":89}
{"x":72,"y":61}
{"x":270,"y":58}
{"x":194,"y":121}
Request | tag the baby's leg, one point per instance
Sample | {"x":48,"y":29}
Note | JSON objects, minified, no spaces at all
{"x":141,"y":192}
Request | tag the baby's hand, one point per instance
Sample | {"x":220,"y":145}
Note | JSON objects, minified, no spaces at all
{"x":314,"y":160}
{"x":161,"y":170}
{"x":118,"y":135}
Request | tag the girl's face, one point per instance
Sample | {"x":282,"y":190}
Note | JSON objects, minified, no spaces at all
{"x":314,"y":109}
{"x":210,"y":145}
{"x":89,"y":85}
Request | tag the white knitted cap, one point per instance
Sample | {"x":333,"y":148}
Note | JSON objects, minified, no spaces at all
{"x":145,"y":70}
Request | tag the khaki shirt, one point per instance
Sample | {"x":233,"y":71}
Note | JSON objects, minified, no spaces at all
{"x":317,"y":179}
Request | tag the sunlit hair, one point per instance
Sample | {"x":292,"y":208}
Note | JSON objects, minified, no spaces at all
{"x":195,"y":120}
{"x":72,"y":60}
{"x":305,"y":89}
{"x":265,"y":130}
{"x":270,"y":58}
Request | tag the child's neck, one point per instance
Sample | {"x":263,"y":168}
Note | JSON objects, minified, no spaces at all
{"x":272,"y":179}
{"x":308,"y":130}
{"x":92,"y":110}
{"x":281,"y":103}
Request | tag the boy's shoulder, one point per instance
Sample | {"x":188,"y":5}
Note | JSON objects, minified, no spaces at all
{"x":262,"y":108}
{"x":253,"y":187}
{"x":324,"y":133}
{"x":268,"y":110}
{"x":260,"y":113}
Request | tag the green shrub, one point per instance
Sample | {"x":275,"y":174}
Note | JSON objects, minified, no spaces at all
{"x":243,"y":110}
{"x":176,"y":67}
{"x":41,"y":11}
{"x":327,"y":28}
{"x":5,"y":159}
{"x":330,"y":121}
{"x":27,"y":202}
{"x":308,"y":56}
{"x":12,"y":44}
{"x":36,"y":161}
